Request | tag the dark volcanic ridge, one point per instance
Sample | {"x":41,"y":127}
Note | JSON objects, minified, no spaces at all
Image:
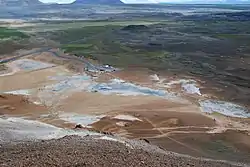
{"x":96,"y":151}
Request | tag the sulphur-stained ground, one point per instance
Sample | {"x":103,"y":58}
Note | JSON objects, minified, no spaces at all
{"x":52,"y":94}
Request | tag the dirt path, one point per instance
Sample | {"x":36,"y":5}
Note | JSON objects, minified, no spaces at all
{"x":178,"y":142}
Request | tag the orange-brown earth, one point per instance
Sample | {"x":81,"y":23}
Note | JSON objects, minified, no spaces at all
{"x":15,"y":105}
{"x":176,"y":126}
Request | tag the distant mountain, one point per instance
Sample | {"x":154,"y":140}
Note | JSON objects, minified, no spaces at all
{"x":210,"y":2}
{"x":19,"y":2}
{"x":108,"y":2}
{"x":236,"y":2}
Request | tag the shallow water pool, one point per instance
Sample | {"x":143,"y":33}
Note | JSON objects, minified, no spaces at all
{"x":225,"y":108}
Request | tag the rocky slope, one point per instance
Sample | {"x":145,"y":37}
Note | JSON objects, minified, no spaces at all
{"x":97,"y":151}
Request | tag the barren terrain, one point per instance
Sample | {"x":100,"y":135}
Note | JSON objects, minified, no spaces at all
{"x":162,"y":110}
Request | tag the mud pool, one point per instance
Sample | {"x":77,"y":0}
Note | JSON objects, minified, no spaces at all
{"x":225,"y":108}
{"x":117,"y":86}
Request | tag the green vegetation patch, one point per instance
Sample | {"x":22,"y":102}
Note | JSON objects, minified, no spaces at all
{"x":12,"y":40}
{"x":166,"y":46}
{"x":60,"y":25}
{"x":104,"y":44}
{"x":11,"y":33}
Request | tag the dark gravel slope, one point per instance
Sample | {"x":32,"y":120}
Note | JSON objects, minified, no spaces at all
{"x":73,"y":151}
